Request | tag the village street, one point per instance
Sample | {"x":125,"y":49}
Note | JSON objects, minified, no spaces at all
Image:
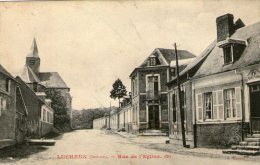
{"x":102,"y":147}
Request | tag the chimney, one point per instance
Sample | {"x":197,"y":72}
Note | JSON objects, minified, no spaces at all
{"x":225,"y":26}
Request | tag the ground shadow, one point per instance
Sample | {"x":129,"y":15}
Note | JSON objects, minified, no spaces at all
{"x":17,"y":152}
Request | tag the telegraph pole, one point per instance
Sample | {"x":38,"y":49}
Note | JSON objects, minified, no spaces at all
{"x":179,"y":98}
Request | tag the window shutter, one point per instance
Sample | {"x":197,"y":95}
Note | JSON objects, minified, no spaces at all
{"x":4,"y":104}
{"x":238,"y":102}
{"x":215,"y":105}
{"x":199,"y":107}
{"x":220,"y":105}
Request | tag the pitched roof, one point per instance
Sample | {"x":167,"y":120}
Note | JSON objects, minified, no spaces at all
{"x":169,"y":54}
{"x":52,"y":80}
{"x":28,"y":76}
{"x":25,"y":88}
{"x":34,"y":50}
{"x":166,"y":56}
{"x":5,"y":72}
{"x":198,"y":60}
{"x":251,"y":55}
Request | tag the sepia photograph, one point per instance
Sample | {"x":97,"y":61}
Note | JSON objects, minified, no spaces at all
{"x":120,"y":82}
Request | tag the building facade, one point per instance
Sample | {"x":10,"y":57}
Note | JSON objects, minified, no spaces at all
{"x":223,"y":88}
{"x":13,"y":113}
{"x":40,"y":114}
{"x":149,"y":90}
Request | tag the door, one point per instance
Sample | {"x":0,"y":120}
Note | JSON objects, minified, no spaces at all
{"x":174,"y":114}
{"x":255,"y":107}
{"x":153,"y":117}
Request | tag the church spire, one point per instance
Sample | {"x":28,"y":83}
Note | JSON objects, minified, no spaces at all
{"x":34,"y":50}
{"x":33,"y":60}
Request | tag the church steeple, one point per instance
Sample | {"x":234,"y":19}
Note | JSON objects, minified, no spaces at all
{"x":33,"y":60}
{"x":34,"y":50}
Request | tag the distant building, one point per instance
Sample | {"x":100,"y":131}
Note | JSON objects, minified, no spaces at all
{"x":43,"y":81}
{"x":149,"y":90}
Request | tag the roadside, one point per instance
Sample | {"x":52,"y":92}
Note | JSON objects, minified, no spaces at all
{"x":22,"y":151}
{"x":158,"y":143}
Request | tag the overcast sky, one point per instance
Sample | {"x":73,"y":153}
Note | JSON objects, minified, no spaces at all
{"x":91,"y":44}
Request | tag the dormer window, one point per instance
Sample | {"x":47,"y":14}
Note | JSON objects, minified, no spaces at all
{"x":232,"y":49}
{"x":227,"y":50}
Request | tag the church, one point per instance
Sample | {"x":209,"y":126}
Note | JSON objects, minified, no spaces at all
{"x":40,"y":82}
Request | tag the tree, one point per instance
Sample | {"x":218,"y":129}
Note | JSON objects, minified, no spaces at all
{"x":58,"y":104}
{"x":118,"y":91}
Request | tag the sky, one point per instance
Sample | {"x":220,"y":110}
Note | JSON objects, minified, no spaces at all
{"x":92,"y":43}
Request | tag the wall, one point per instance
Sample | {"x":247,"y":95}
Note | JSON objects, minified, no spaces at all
{"x":219,"y":131}
{"x":7,"y":117}
{"x":175,"y":128}
{"x":218,"y":135}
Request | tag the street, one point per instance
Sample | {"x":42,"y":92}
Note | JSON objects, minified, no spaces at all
{"x":99,"y":147}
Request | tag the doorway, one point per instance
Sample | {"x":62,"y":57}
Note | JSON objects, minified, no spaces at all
{"x":255,"y":107}
{"x":153,"y":111}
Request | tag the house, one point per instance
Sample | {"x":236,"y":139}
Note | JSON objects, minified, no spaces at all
{"x":13,"y":112}
{"x":44,"y":81}
{"x":40,"y":114}
{"x":149,"y":90}
{"x":223,"y":86}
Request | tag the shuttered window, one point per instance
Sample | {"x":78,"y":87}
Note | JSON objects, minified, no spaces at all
{"x":208,"y":105}
{"x":232,"y":101}
{"x":199,"y":107}
{"x":219,"y":105}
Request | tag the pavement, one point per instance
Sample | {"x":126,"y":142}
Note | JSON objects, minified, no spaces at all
{"x":158,"y":143}
{"x":87,"y":147}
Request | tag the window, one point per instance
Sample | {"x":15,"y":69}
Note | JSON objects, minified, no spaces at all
{"x":230,"y":103}
{"x":2,"y":105}
{"x":8,"y":85}
{"x":208,"y":105}
{"x":32,"y":62}
{"x":134,"y":81}
{"x":44,"y":115}
{"x":153,"y":61}
{"x":152,"y":87}
{"x":227,"y":54}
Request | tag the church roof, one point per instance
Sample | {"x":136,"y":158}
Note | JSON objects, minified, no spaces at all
{"x":52,"y":80}
{"x":28,"y":75}
{"x":34,"y":50}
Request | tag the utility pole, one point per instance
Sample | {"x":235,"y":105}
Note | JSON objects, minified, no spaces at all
{"x":179,"y":98}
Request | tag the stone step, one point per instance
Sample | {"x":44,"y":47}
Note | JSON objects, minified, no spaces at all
{"x":254,"y":148}
{"x":252,"y":139}
{"x":44,"y":142}
{"x":152,"y":131}
{"x":152,"y":134}
{"x":249,"y":143}
{"x":254,"y":136}
{"x":241,"y":152}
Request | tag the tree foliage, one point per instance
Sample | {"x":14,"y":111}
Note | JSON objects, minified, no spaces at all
{"x":118,"y":91}
{"x":58,"y":104}
{"x":84,"y":118}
